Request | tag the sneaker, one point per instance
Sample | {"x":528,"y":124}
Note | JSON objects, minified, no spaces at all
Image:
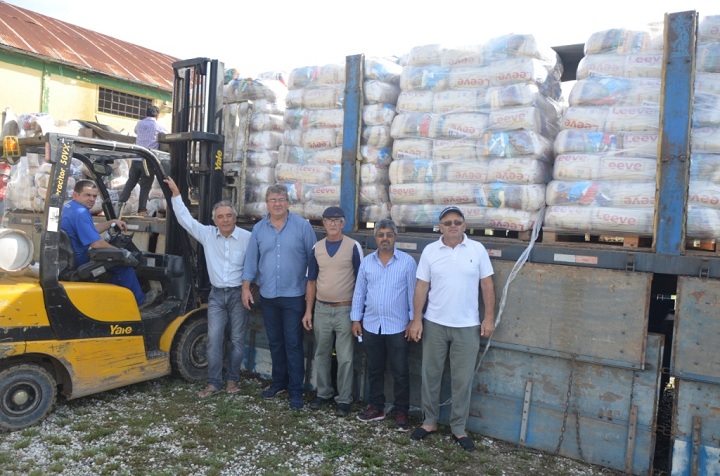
{"x":342,"y":410}
{"x":401,"y":422}
{"x":296,"y":402}
{"x":319,"y":402}
{"x":371,"y":414}
{"x":150,"y":298}
{"x":270,"y":393}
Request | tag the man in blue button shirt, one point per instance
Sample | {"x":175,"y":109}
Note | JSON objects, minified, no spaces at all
{"x":382,"y":308}
{"x":224,"y":245}
{"x":277,"y":258}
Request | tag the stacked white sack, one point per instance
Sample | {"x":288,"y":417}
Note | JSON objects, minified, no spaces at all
{"x":29,"y":179}
{"x":311,"y":150}
{"x":380,"y":93}
{"x":475,"y":127}
{"x":311,"y":155}
{"x":606,"y":153}
{"x":253,"y":119}
{"x":703,"y":221}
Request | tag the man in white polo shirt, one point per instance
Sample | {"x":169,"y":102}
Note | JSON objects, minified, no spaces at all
{"x":448,"y":275}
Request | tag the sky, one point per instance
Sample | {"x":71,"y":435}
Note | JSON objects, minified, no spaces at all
{"x":260,"y":36}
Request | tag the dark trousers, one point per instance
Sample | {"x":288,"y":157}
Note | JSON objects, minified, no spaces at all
{"x":283,"y":323}
{"x":392,"y":348}
{"x":136,"y":175}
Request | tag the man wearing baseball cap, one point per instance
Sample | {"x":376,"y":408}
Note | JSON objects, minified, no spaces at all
{"x":332,"y":269}
{"x":449,"y":274}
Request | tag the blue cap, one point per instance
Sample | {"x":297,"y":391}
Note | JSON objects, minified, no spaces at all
{"x":451,"y":209}
{"x":333,"y":212}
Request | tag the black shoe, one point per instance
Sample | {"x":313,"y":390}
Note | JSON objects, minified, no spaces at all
{"x":318,"y":403}
{"x":371,"y":414}
{"x":296,"y":402}
{"x":342,"y":410}
{"x":465,"y":442}
{"x":401,"y":422}
{"x":270,"y":393}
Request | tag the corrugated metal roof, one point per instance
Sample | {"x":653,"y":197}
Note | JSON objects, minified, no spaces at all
{"x":25,"y":31}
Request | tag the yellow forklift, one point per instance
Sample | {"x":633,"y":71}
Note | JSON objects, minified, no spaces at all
{"x":64,"y":329}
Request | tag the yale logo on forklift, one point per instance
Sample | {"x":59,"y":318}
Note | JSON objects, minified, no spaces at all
{"x":218,"y":160}
{"x":116,"y":330}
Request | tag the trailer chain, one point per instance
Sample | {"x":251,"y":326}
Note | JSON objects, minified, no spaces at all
{"x":577,"y":433}
{"x":567,"y":406}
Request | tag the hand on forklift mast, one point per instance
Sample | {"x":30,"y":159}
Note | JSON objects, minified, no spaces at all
{"x":172,"y":186}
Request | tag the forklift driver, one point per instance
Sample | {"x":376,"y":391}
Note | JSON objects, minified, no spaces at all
{"x":85,"y":234}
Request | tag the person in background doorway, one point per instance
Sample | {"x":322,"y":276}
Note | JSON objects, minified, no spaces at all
{"x":334,"y":264}
{"x":146,"y":131}
{"x":382,"y":307}
{"x":450,"y":273}
{"x":277,"y":257}
{"x":225,"y":245}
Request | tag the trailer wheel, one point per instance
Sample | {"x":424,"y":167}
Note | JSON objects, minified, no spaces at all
{"x":189,"y":353}
{"x":27,"y":394}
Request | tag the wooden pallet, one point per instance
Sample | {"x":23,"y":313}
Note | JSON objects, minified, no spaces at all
{"x":702,"y":245}
{"x":477,"y":233}
{"x":629,"y":241}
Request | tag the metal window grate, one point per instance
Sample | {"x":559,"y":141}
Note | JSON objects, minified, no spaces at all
{"x":123,"y":104}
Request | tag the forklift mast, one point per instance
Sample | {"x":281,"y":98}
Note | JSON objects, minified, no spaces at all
{"x":196,"y":143}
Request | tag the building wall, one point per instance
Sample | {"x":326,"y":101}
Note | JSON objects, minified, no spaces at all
{"x":31,"y":85}
{"x":20,"y":88}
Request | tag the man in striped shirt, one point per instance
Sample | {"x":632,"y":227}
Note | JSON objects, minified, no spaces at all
{"x":382,"y":308}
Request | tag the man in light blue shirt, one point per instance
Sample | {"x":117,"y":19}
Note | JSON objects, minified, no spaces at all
{"x":146,"y":131}
{"x":224,"y":245}
{"x":382,"y":308}
{"x":277,"y":258}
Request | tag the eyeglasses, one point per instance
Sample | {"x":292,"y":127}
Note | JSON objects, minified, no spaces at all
{"x":334,"y":221}
{"x":277,"y":200}
{"x":452,"y":222}
{"x":389,"y":234}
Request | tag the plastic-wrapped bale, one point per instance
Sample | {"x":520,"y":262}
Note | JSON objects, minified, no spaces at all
{"x":703,"y":205}
{"x":605,"y":169}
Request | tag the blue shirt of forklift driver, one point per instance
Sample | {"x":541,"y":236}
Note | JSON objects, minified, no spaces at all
{"x":85,"y":234}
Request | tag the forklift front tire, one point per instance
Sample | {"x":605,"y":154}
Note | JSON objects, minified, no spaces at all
{"x":27,"y":394}
{"x":189,"y":353}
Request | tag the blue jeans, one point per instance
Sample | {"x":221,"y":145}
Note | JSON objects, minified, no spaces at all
{"x":283,"y":323}
{"x":225,"y":310}
{"x":125,"y":276}
{"x":391,"y":348}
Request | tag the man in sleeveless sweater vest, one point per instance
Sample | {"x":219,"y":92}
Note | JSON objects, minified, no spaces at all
{"x":333,"y":267}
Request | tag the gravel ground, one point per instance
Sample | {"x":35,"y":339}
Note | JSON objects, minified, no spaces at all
{"x":161,"y":427}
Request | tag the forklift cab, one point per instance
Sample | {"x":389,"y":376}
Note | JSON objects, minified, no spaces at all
{"x":67,"y":330}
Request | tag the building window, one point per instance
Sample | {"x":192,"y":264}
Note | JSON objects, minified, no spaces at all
{"x":123,"y":104}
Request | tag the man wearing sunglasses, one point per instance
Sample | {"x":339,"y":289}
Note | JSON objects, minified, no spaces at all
{"x":449,"y":274}
{"x":333,"y":267}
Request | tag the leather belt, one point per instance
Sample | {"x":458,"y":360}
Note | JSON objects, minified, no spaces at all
{"x":336,"y":304}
